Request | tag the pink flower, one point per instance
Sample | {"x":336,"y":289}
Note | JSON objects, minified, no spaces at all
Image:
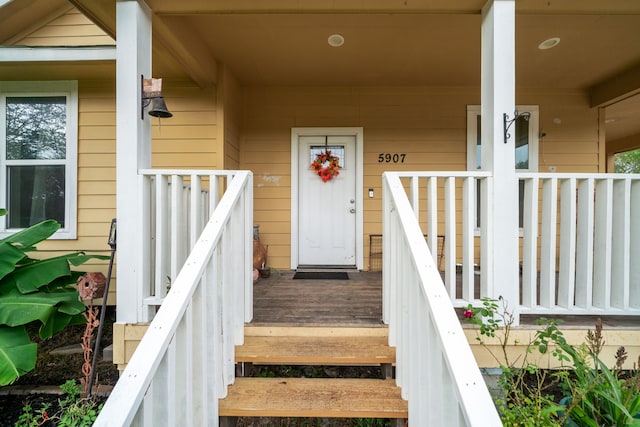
{"x":468,"y":314}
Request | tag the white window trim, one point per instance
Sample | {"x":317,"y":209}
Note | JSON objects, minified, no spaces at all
{"x":473,"y":111}
{"x":69,"y":89}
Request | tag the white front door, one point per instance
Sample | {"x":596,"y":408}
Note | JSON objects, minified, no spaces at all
{"x":327,"y":210}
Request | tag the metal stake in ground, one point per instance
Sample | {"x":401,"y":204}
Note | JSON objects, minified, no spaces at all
{"x":112,"y":244}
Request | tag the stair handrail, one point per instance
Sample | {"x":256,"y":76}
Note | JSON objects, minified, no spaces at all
{"x":435,"y":367}
{"x":185,"y":360}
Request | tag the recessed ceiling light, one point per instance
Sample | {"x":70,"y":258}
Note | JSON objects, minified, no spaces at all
{"x":549,"y":43}
{"x":335,"y":40}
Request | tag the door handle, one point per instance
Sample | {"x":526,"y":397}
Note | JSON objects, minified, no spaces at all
{"x":352,"y":210}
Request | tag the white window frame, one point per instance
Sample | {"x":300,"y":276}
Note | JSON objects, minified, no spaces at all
{"x":68,"y":89}
{"x":473,"y":112}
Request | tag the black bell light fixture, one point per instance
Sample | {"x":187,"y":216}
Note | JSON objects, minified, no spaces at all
{"x":152,"y":96}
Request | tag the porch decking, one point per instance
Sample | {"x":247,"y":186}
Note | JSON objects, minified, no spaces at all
{"x":354,"y":302}
{"x":280,"y":299}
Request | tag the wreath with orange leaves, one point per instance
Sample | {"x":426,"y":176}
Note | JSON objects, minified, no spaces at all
{"x":326,"y":166}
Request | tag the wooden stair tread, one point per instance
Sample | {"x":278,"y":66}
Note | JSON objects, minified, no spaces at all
{"x":313,"y":397}
{"x":323,"y":350}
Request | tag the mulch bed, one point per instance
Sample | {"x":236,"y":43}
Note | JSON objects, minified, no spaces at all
{"x":52,"y":370}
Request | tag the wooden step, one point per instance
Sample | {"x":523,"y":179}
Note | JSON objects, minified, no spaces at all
{"x":313,"y":397}
{"x":297,"y":345}
{"x":347,"y":350}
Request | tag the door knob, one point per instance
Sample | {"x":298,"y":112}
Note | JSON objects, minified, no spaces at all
{"x":352,"y":210}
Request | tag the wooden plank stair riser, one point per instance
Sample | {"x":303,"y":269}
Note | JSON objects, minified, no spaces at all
{"x":316,"y":350}
{"x":313,"y":397}
{"x":316,"y":331}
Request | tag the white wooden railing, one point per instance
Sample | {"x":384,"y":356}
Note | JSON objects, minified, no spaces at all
{"x":435,"y":367}
{"x":444,"y":203}
{"x":180,"y":203}
{"x":579,"y":245}
{"x":185,"y":360}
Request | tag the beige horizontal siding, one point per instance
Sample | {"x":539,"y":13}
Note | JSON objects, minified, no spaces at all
{"x":427,"y":124}
{"x":70,"y":29}
{"x":185,"y":141}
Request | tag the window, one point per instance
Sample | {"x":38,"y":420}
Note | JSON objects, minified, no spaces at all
{"x":38,"y":143}
{"x":526,"y":152}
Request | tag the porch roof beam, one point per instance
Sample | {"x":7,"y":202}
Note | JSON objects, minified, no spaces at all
{"x":188,"y":49}
{"x":63,"y":54}
{"x":180,"y":42}
{"x":617,"y":88}
{"x":171,"y":7}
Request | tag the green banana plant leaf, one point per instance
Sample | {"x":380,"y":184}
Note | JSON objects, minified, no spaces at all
{"x":58,"y":322}
{"x":31,"y":277}
{"x":9,"y":257}
{"x":17,"y":354}
{"x":34,"y":290}
{"x":20,"y":309}
{"x":27,"y":238}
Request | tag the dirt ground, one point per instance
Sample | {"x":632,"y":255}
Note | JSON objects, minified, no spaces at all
{"x":54,"y":370}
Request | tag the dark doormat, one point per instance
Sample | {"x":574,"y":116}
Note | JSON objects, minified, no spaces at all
{"x":324,"y":275}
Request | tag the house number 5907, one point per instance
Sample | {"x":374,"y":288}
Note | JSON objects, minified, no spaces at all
{"x":391,"y":157}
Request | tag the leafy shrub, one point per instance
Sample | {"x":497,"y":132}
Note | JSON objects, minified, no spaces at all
{"x":73,"y":412}
{"x":591,"y":393}
{"x":31,"y":291}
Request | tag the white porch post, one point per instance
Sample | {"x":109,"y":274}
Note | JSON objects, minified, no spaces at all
{"x":499,"y":217}
{"x":133,"y":152}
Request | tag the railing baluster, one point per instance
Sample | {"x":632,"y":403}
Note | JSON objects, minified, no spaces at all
{"x":530,"y":243}
{"x":196,"y":221}
{"x":468,"y":244}
{"x":567,"y":261}
{"x":602,"y":244}
{"x":620,"y":245}
{"x":178,"y":234}
{"x":171,"y":392}
{"x":432,"y":216}
{"x":199,"y":329}
{"x":450,"y":232}
{"x":584,"y":254}
{"x":548,"y":243}
{"x":486,"y":254}
{"x":163,"y":236}
{"x":415,"y":196}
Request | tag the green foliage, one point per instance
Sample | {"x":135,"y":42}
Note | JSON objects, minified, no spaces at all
{"x":34,"y":291}
{"x":73,"y":412}
{"x":593,"y":394}
{"x":627,"y":162}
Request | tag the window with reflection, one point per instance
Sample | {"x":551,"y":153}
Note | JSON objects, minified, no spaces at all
{"x":39,"y":133}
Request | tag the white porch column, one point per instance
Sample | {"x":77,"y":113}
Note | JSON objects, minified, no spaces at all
{"x":133,"y":152}
{"x":499,"y":217}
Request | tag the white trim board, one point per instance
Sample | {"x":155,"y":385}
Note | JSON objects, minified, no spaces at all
{"x":45,"y":54}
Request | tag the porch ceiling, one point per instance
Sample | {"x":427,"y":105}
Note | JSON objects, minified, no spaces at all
{"x":425,"y":44}
{"x":387,"y":42}
{"x":434,"y":42}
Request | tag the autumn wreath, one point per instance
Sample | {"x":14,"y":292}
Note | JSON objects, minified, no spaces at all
{"x":326,"y":165}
